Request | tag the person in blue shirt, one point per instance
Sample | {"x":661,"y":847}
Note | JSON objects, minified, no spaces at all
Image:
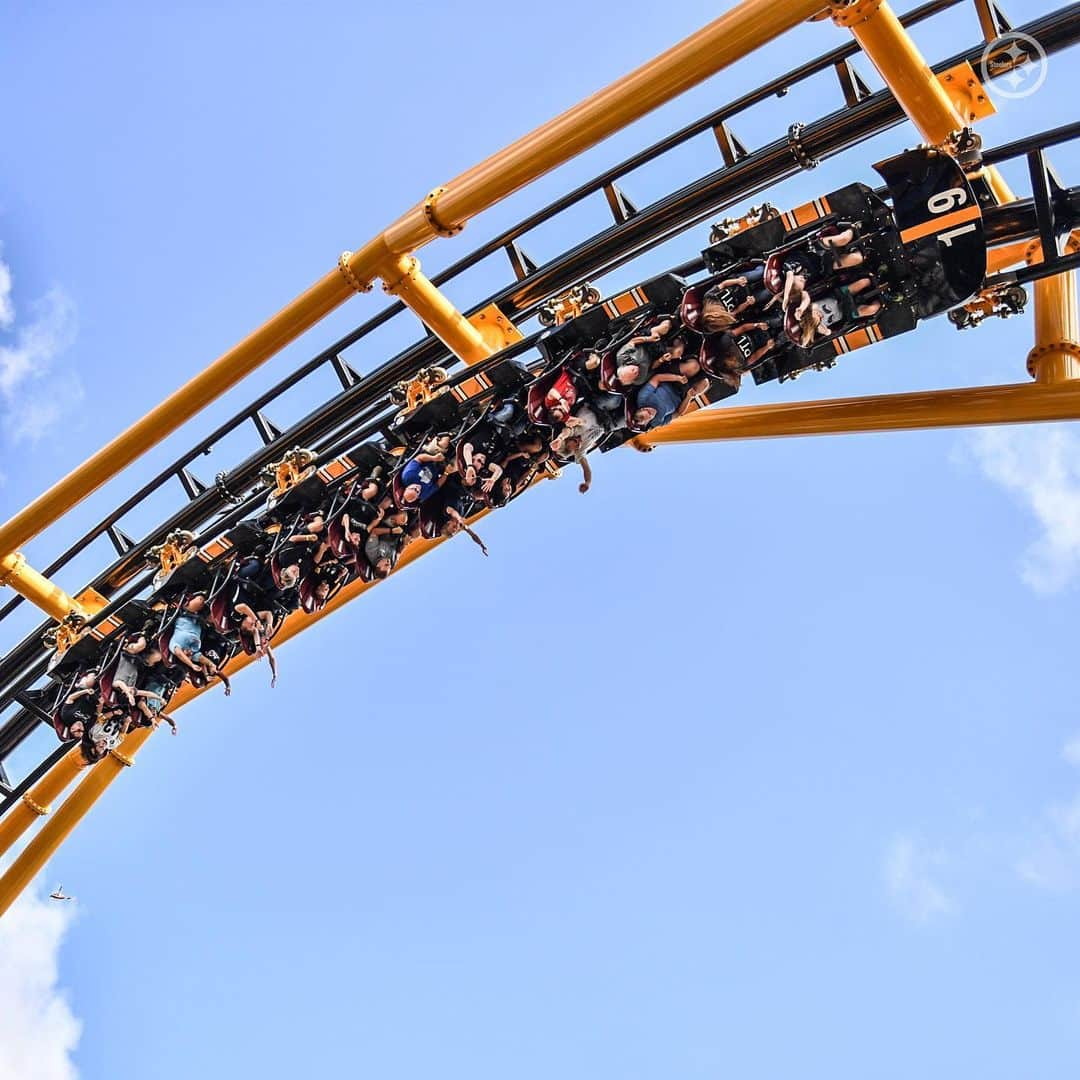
{"x":660,"y":401}
{"x":420,"y":480}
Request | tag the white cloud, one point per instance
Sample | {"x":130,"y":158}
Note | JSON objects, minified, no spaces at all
{"x":1071,"y":751}
{"x":38,"y":1031}
{"x":1054,"y":860}
{"x":7,"y":308}
{"x":33,"y":418}
{"x":30,"y":410}
{"x":908,"y":871}
{"x":1040,"y":466}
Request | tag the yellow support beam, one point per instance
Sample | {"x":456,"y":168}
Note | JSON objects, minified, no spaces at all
{"x":36,"y":802}
{"x":732,"y":36}
{"x":1023,"y":251}
{"x":19,"y":575}
{"x":53,"y":832}
{"x":1056,"y":356}
{"x":1014,"y":404}
{"x":926,"y":99}
{"x":889,"y":47}
{"x":727,"y":39}
{"x":403,"y":278}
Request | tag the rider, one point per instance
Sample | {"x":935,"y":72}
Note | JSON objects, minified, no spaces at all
{"x":659,"y":404}
{"x":79,"y":709}
{"x":187,"y":639}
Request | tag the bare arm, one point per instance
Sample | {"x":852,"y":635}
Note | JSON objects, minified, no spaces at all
{"x":586,"y":474}
{"x":789,"y":284}
{"x":656,"y":380}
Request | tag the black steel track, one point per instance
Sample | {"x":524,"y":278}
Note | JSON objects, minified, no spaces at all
{"x":505,"y":241}
{"x":362,"y":406}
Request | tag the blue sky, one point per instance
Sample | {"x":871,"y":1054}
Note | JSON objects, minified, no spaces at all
{"x":760,"y":760}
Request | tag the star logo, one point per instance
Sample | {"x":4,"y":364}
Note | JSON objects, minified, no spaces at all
{"x":1014,"y":66}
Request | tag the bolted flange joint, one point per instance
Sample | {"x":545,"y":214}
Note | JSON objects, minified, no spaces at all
{"x":1040,"y":352}
{"x":431,"y":213}
{"x":849,"y":13}
{"x":404,"y":268}
{"x":38,"y":809}
{"x":345,"y":268}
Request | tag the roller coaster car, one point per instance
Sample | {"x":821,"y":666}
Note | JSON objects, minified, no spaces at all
{"x":426,"y":474}
{"x":489,"y":438}
{"x":504,"y":380}
{"x":856,"y":204}
{"x":926,"y":252}
{"x":598,"y":326}
{"x":716,"y":358}
{"x":467,"y":391}
{"x":204,"y":561}
{"x":85,"y":654}
{"x":283,"y":475}
{"x":573,"y":385}
{"x":717,"y":390}
{"x":304,"y":495}
{"x":509,"y":487}
{"x":433,"y":515}
{"x":245,"y":537}
{"x":693,"y":299}
{"x":319,"y":587}
{"x":368,"y":458}
{"x":941,"y":229}
{"x":92,"y":646}
{"x":609,"y":363}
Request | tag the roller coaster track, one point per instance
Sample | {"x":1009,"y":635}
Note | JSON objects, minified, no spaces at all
{"x":362,"y":408}
{"x":633,"y":233}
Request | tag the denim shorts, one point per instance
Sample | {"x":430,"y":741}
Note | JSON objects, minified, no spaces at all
{"x":188,"y":641}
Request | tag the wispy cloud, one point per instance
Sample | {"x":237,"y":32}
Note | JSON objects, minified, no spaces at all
{"x":28,"y":409}
{"x":38,"y":1031}
{"x":1071,"y":750}
{"x":1040,"y":467}
{"x":909,"y":872}
{"x":7,"y":306}
{"x":1053,"y":861}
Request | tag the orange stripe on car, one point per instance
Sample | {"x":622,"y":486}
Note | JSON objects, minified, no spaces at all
{"x":940,"y":224}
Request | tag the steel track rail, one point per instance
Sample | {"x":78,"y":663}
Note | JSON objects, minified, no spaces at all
{"x":503,"y":241}
{"x":333,"y":424}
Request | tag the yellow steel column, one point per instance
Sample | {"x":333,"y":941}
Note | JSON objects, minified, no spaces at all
{"x":38,"y":589}
{"x":1001,"y":258}
{"x":225,"y":372}
{"x":890,"y":49}
{"x":1014,"y":404}
{"x":1056,"y":356}
{"x":35,"y":803}
{"x":53,"y":833}
{"x":732,"y":36}
{"x":403,"y":278}
{"x":729,"y":38}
